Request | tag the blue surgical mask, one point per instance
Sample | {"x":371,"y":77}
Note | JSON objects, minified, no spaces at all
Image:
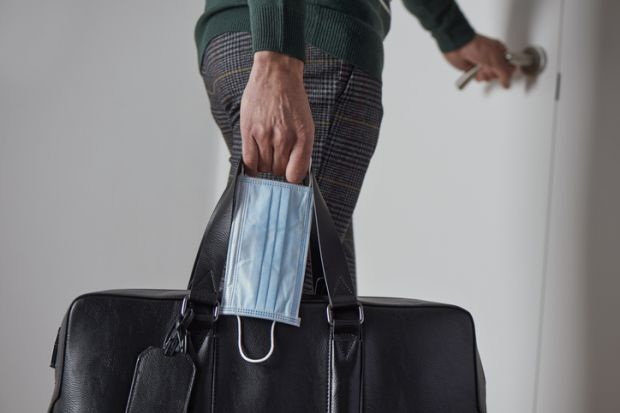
{"x":267,"y":252}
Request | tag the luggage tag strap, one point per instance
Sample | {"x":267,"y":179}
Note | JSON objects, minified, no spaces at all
{"x":163,"y":377}
{"x":176,"y":338}
{"x":161,"y":383}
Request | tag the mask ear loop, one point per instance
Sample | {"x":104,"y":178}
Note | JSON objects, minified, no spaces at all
{"x":246,"y":358}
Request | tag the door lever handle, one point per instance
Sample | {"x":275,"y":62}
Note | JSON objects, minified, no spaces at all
{"x":532,"y":61}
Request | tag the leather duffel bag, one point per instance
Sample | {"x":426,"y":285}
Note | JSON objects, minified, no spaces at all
{"x":351,"y":354}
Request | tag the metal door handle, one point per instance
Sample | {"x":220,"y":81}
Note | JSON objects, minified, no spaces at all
{"x":532,"y":61}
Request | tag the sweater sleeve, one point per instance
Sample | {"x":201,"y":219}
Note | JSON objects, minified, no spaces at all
{"x":445,"y":20}
{"x":278,"y":25}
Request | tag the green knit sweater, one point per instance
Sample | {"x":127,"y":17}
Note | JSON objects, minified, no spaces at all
{"x":352,"y":30}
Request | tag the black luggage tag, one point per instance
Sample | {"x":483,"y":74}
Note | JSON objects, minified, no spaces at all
{"x":161,"y":383}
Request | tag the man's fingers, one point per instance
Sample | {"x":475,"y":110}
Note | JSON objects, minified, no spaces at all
{"x":265,"y":152}
{"x":281,"y":153}
{"x":504,"y":72}
{"x":501,"y":67}
{"x":458,"y":61}
{"x":487,"y":74}
{"x":298,"y":164}
{"x":249,"y":153}
{"x":484,"y":74}
{"x":504,"y":78}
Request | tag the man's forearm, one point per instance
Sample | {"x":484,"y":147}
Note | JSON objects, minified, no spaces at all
{"x":445,"y":20}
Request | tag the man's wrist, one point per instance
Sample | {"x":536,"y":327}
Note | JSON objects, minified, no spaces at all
{"x":275,"y":61}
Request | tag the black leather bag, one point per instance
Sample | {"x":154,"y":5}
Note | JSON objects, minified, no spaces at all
{"x":350,"y":354}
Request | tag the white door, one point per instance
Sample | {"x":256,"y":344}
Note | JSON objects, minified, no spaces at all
{"x":455,"y":203}
{"x":579,"y":361}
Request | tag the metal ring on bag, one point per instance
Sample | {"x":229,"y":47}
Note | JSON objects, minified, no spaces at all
{"x":176,"y":338}
{"x":246,"y":358}
{"x":330,"y":315}
{"x":184,"y":305}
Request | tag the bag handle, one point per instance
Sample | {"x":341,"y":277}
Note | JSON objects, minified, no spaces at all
{"x":208,"y":271}
{"x":345,"y":354}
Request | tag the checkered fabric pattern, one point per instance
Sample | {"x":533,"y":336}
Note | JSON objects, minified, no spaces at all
{"x":347,"y":111}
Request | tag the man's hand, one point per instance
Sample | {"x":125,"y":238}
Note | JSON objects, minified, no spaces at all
{"x":276,"y":123}
{"x":490,"y":54}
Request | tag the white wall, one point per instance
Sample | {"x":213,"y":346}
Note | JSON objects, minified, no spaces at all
{"x":109,"y":164}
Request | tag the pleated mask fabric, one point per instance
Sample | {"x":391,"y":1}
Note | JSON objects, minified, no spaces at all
{"x":267,"y":250}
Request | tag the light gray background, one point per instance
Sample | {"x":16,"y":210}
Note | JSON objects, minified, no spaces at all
{"x":503,"y":202}
{"x":108,"y":166}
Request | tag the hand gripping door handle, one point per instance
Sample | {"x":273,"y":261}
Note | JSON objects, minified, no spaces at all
{"x":532,"y":61}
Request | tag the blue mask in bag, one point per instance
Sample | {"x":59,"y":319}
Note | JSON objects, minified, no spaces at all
{"x":267,"y":251}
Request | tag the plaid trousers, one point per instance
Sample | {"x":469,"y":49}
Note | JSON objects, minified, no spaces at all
{"x":347,"y":111}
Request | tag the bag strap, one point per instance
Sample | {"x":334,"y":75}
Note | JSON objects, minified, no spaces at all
{"x":208,"y":269}
{"x":328,"y":248}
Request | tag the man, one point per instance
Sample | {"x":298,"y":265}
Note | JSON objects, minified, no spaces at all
{"x":292,"y":79}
